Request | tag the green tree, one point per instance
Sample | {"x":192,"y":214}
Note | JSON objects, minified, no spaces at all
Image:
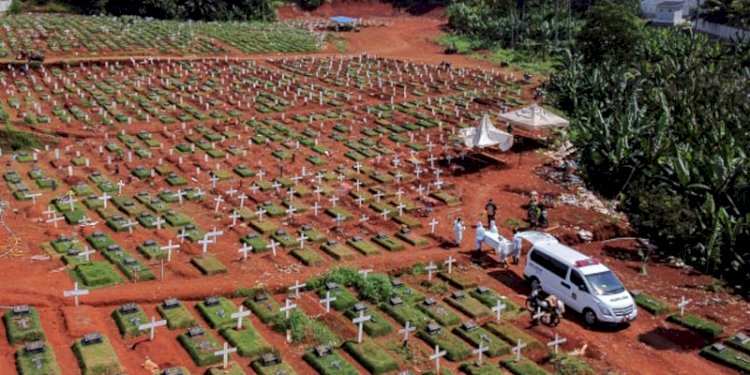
{"x":611,"y":33}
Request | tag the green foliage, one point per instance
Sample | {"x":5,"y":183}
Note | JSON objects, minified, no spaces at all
{"x":523,"y":367}
{"x":17,"y":140}
{"x":612,"y":31}
{"x":694,"y":323}
{"x":205,"y":10}
{"x":664,"y":131}
{"x":730,"y":12}
{"x":248,"y":341}
{"x":310,"y":4}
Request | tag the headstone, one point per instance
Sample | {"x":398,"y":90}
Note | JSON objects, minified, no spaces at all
{"x":91,"y":339}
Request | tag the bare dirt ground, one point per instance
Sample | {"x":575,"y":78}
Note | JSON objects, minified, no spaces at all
{"x":648,"y":346}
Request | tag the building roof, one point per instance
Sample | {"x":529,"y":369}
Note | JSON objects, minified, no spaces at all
{"x":342,"y":19}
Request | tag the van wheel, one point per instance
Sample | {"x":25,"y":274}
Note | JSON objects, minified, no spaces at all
{"x":535,"y":284}
{"x":589,"y":317}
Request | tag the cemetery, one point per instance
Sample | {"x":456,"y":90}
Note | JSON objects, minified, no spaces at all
{"x":236,"y":198}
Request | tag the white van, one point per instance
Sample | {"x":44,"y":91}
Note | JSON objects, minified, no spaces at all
{"x":582,"y":283}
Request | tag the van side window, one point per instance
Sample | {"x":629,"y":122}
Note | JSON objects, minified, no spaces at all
{"x":577,"y":280}
{"x":549,"y":263}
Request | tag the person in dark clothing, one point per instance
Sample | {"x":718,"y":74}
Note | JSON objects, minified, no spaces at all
{"x":491,"y":210}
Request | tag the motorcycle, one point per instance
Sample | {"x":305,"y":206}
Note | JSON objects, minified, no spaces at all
{"x":548,"y":311}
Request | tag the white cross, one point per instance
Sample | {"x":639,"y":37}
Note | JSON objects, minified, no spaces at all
{"x":261,"y":173}
{"x":296,"y":179}
{"x":436,"y":357}
{"x":340,"y":177}
{"x":401,"y":207}
{"x":55,"y":219}
{"x":205,"y":241}
{"x":498,"y":309}
{"x":420,"y":190}
{"x":327,"y":301}
{"x":357,"y":183}
{"x":417,"y":171}
{"x":432,"y":159}
{"x":239,"y":315}
{"x":338,"y":219}
{"x":378,"y":195}
{"x":275,"y":185}
{"x":225,"y":353}
{"x":365,"y":272}
{"x":364,"y":218}
{"x":301,"y":239}
{"x":450,"y":262}
{"x":683,"y":303}
{"x":556,"y":342}
{"x":315,"y":208}
{"x":429,"y":268}
{"x":433,"y":224}
{"x":406,"y":330}
{"x":199,"y":193}
{"x":169,"y":249}
{"x":360,"y":200}
{"x":50,"y":211}
{"x":333,"y":200}
{"x":517,"y":349}
{"x":86,"y":253}
{"x":261,"y":211}
{"x":438,"y":183}
{"x":244,"y":250}
{"x":480,"y":351}
{"x":385,"y":214}
{"x":360,"y":320}
{"x":272,"y":245}
{"x":72,"y":200}
{"x":317,"y":191}
{"x":183,"y":235}
{"x":214,"y":180}
{"x":290,"y":211}
{"x":231,"y":192}
{"x":158,"y":222}
{"x":215,"y":233}
{"x":287,"y":308}
{"x":33,"y":196}
{"x":234,"y":216}
{"x":296,"y":287}
{"x":75,"y":292}
{"x":218,"y":199}
{"x":358,"y":167}
{"x":120,"y":185}
{"x":399,"y":193}
{"x":129,"y":224}
{"x":254,"y":188}
{"x":242,"y":198}
{"x":291,"y":193}
{"x":152,"y":327}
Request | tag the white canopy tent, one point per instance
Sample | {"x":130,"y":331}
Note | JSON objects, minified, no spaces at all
{"x":534,"y":118}
{"x":486,"y":135}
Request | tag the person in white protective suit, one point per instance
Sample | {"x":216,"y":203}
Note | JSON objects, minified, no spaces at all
{"x":515,"y":249}
{"x":493,"y":227}
{"x":458,"y":230}
{"x":479,"y":238}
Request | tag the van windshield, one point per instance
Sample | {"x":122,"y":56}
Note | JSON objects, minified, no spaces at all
{"x":605,"y":283}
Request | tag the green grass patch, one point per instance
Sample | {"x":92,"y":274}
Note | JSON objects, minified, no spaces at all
{"x":696,"y":324}
{"x":331,"y":364}
{"x":177,"y":317}
{"x":266,"y":309}
{"x":651,"y":304}
{"x":363,"y":246}
{"x":489,"y":298}
{"x":456,"y":349}
{"x":406,"y":313}
{"x":209,"y":265}
{"x":233,"y":368}
{"x":264,"y":227}
{"x":371,"y":356}
{"x":458,"y":280}
{"x":345,"y":300}
{"x":440,"y":313}
{"x":25,"y":363}
{"x":217,"y":316}
{"x":496,"y":347}
{"x":412,"y":238}
{"x":201,"y":348}
{"x":727,"y":357}
{"x":23,"y":327}
{"x":469,"y":306}
{"x":338,"y":251}
{"x":128,"y":323}
{"x":445,"y":198}
{"x":523,"y":367}
{"x":96,"y":274}
{"x":565,"y":364}
{"x":97,"y":359}
{"x":484,"y":369}
{"x":511,"y":335}
{"x":336,"y":211}
{"x":388,"y":242}
{"x":274,"y":369}
{"x":307,"y":256}
{"x":248,"y":341}
{"x":375,"y":327}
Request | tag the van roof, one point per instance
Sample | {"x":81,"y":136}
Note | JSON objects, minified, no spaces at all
{"x":564,"y":253}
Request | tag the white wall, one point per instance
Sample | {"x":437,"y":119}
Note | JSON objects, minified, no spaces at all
{"x":721,"y":31}
{"x":4,"y":5}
